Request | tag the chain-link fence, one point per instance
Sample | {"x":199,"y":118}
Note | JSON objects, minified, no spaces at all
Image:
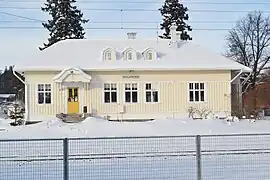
{"x":230,"y":157}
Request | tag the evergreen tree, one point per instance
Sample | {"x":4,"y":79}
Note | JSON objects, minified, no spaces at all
{"x":6,"y":69}
{"x":174,"y":12}
{"x":66,"y":21}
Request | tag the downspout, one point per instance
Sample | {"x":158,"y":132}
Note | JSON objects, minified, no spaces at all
{"x":25,"y":93}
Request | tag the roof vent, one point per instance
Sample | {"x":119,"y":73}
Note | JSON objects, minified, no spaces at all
{"x":131,"y":35}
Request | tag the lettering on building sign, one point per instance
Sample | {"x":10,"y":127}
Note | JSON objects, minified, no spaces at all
{"x":131,"y":77}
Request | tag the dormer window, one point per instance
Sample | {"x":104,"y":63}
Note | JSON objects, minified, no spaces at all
{"x":129,"y":54}
{"x":149,"y":54}
{"x":109,"y":54}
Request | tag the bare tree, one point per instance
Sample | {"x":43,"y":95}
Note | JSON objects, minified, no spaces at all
{"x":249,"y":44}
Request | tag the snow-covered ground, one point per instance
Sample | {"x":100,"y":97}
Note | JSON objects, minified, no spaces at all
{"x":223,"y":157}
{"x":93,"y":127}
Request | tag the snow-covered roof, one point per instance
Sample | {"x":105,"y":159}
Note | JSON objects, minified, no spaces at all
{"x":86,"y":54}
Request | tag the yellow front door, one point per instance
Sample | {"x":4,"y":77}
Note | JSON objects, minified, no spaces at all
{"x":73,"y":100}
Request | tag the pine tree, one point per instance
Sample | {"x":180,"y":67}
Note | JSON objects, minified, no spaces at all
{"x":175,"y":12}
{"x":66,"y":21}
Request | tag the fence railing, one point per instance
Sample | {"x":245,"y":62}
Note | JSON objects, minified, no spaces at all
{"x":206,"y":157}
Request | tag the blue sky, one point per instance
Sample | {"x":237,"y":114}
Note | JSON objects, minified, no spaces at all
{"x":17,"y":44}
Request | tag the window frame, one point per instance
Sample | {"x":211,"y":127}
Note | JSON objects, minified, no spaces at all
{"x":106,"y":52}
{"x":129,"y":53}
{"x":200,"y":90}
{"x":151,"y":90}
{"x":148,"y":54}
{"x":117,"y":93}
{"x":44,"y":91}
{"x":138,"y":92}
{"x":108,"y":55}
{"x":148,"y":51}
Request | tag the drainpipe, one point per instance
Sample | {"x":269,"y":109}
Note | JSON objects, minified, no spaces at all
{"x":25,"y":93}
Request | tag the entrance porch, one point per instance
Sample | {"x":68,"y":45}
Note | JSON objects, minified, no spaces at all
{"x":72,"y":82}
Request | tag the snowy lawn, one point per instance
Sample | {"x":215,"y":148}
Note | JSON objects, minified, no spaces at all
{"x":223,"y":157}
{"x":93,"y":127}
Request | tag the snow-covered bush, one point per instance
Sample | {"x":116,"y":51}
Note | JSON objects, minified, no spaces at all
{"x":232,"y":119}
{"x":196,"y":113}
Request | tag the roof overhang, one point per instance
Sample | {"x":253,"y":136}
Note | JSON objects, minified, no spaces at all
{"x":72,"y":75}
{"x":135,"y":68}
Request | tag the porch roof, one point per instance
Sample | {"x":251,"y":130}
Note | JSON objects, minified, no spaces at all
{"x":72,"y":75}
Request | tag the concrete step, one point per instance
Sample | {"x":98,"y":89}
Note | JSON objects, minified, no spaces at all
{"x":72,"y":118}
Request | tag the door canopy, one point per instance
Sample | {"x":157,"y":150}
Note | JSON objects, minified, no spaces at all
{"x":72,"y":75}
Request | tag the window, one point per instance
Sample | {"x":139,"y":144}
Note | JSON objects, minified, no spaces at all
{"x":131,"y":93}
{"x":151,"y":95}
{"x":196,"y":92}
{"x":44,"y":94}
{"x":109,"y":56}
{"x":129,"y":56}
{"x":149,"y":56}
{"x":110,"y":93}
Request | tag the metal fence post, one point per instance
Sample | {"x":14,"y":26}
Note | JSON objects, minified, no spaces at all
{"x":198,"y":157}
{"x":65,"y":151}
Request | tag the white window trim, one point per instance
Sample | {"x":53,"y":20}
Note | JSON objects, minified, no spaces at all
{"x":105,"y":52}
{"x":129,"y":50}
{"x":152,"y":89}
{"x":37,"y":91}
{"x":127,"y":57}
{"x":147,"y":55}
{"x":205,"y":92}
{"x":150,"y":50}
{"x":117,"y":93}
{"x":138,"y":92}
{"x":107,"y":56}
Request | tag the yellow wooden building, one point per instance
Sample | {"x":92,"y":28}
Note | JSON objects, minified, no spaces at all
{"x":128,"y":78}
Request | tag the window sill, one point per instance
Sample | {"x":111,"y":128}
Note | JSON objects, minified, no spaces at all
{"x":44,"y":104}
{"x":197,"y":102}
{"x":152,"y":102}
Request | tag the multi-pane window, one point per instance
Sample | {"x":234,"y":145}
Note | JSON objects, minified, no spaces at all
{"x":151,"y":94}
{"x":110,"y":93}
{"x":131,"y":93}
{"x":196,"y":92}
{"x":44,"y":94}
{"x":149,"y":56}
{"x":109,"y":56}
{"x":129,"y":56}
